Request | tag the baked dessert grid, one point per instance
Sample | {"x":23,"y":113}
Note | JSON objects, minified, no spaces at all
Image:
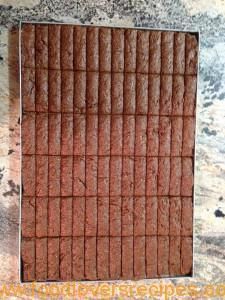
{"x":108,"y":151}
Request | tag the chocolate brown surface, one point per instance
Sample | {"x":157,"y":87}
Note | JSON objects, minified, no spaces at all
{"x":108,"y":129}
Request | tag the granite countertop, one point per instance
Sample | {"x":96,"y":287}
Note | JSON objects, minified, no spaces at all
{"x":209,"y":19}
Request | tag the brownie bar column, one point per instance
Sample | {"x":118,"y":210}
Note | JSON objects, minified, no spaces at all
{"x":65,"y":243}
{"x":117,"y":92}
{"x":127,"y":212}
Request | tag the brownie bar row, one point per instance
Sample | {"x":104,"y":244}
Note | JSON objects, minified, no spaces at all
{"x":103,"y":176}
{"x":105,"y":49}
{"x":68,"y":134}
{"x":106,"y":216}
{"x":105,"y":93}
{"x":106,"y":258}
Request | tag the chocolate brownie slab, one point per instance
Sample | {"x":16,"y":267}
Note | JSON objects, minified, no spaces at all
{"x":108,"y":135}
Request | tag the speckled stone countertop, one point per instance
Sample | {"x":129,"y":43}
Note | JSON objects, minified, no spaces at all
{"x":206,"y":16}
